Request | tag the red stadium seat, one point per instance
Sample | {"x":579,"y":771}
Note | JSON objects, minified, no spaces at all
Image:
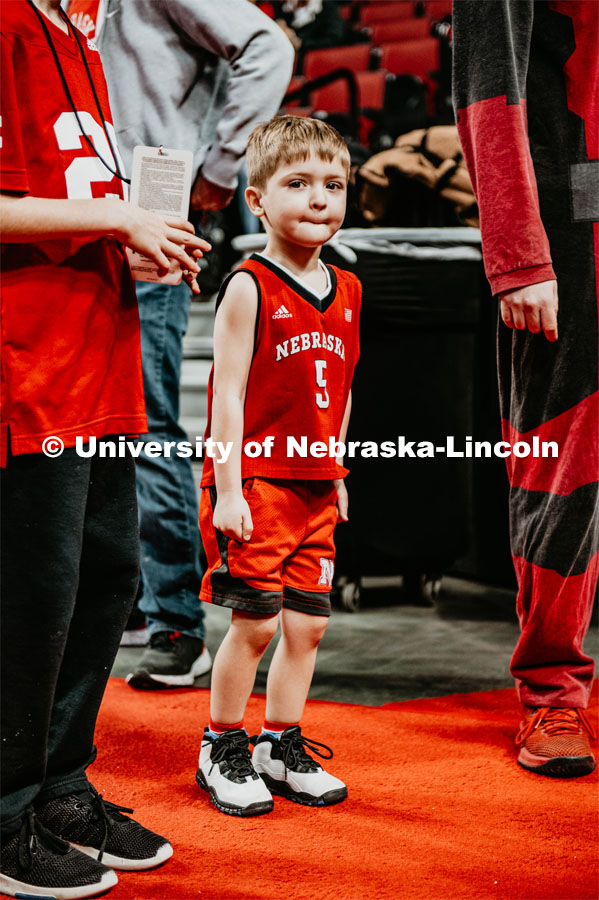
{"x":320,"y":62}
{"x":401,"y":30}
{"x":335,"y":97}
{"x":421,"y":58}
{"x":437,"y":10}
{"x":386,"y":9}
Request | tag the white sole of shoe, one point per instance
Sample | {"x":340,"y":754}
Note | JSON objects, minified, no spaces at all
{"x":20,"y":889}
{"x":254,"y":809}
{"x":201,"y":666}
{"x":128,"y":865}
{"x":282,"y":789}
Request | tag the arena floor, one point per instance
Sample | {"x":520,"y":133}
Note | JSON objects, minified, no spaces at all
{"x":388,"y":652}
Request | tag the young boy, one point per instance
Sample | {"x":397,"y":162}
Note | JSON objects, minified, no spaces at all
{"x":285,"y":348}
{"x":70,"y":367}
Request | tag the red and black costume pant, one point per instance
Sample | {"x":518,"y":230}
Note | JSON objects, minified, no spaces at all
{"x":550,"y":390}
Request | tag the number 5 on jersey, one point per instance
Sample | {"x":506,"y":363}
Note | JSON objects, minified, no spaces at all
{"x":322,"y":399}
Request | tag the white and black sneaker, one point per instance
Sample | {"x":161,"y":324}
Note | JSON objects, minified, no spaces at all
{"x":35,"y":863}
{"x":226,"y":772}
{"x":289,"y":771}
{"x":172,"y":660}
{"x":99,"y":828}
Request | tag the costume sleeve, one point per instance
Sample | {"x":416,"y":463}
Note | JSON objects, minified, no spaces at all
{"x":490,"y":64}
{"x":13,"y":171}
{"x":260,"y":58}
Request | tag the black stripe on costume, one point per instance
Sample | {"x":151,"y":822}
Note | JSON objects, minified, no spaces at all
{"x":314,"y":603}
{"x":319,"y":303}
{"x":233,"y":592}
{"x":555,"y":531}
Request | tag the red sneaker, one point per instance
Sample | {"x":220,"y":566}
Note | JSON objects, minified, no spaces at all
{"x":556,"y":742}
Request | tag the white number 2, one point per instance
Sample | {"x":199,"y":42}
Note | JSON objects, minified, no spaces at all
{"x":322,"y":399}
{"x":85,"y":170}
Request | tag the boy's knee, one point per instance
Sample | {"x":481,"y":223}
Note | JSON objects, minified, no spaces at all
{"x":257,"y":631}
{"x":308,"y":630}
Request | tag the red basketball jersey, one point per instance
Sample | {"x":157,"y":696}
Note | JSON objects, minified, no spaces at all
{"x":305,"y":353}
{"x":71,"y":361}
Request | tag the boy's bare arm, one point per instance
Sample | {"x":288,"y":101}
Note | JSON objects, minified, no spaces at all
{"x":342,"y":497}
{"x":160,"y":238}
{"x":233,"y":348}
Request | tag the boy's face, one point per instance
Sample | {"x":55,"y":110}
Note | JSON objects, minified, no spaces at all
{"x":303,"y":203}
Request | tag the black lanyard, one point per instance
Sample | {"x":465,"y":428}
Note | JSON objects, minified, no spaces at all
{"x":117,"y":171}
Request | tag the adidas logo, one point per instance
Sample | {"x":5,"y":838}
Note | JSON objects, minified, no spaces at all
{"x":282,"y":313}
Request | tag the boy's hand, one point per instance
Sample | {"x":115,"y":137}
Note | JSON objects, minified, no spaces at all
{"x":232,"y":516}
{"x":162,"y":238}
{"x":533,"y":307}
{"x":342,"y":500}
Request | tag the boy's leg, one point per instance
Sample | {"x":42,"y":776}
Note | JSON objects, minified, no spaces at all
{"x":225,"y":768}
{"x":235,"y":665}
{"x":292,"y":666}
{"x":170,"y":539}
{"x":280,"y":754}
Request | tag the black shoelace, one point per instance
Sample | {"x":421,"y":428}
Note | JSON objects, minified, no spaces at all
{"x":34,"y":837}
{"x":294,"y":746}
{"x":232,"y":749}
{"x":108,"y":813}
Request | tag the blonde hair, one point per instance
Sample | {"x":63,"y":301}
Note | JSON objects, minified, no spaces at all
{"x":286,"y":139}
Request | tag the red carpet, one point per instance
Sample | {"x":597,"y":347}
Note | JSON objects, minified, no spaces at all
{"x":437,"y":807}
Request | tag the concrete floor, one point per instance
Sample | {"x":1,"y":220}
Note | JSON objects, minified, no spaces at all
{"x":387,"y":652}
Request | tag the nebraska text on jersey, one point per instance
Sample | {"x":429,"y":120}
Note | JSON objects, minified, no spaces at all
{"x":311,"y":341}
{"x":301,"y":370}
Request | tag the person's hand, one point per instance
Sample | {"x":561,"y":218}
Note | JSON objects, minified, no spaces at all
{"x":533,"y":307}
{"x":232,"y":516}
{"x":161,"y":239}
{"x":208,"y":196}
{"x":342,"y":500}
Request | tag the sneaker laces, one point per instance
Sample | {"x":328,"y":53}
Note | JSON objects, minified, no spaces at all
{"x":555,"y":721}
{"x":233,"y":748}
{"x":108,"y":812}
{"x":294,"y":746}
{"x":31,"y":836}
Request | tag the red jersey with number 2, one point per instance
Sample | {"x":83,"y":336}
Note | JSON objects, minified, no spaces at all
{"x":305,"y":353}
{"x":71,"y":361}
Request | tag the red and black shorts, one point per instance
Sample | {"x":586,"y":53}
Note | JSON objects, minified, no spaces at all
{"x":289,"y":559}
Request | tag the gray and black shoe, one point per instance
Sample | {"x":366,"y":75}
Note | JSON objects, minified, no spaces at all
{"x":35,"y":863}
{"x":99,"y":828}
{"x":172,"y":660}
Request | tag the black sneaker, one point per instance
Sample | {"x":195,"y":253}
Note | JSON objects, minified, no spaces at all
{"x":35,"y":863}
{"x":172,"y":660}
{"x":100,"y":829}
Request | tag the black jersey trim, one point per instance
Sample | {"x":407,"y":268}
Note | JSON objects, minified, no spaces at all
{"x":224,"y":286}
{"x":319,"y":303}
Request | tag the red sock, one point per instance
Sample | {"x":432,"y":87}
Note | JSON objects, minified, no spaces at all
{"x":220,"y":728}
{"x":278,"y":727}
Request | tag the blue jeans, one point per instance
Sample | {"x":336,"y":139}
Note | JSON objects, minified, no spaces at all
{"x":168,"y":507}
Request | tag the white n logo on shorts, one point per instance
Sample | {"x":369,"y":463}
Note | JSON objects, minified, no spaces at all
{"x":327,"y":571}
